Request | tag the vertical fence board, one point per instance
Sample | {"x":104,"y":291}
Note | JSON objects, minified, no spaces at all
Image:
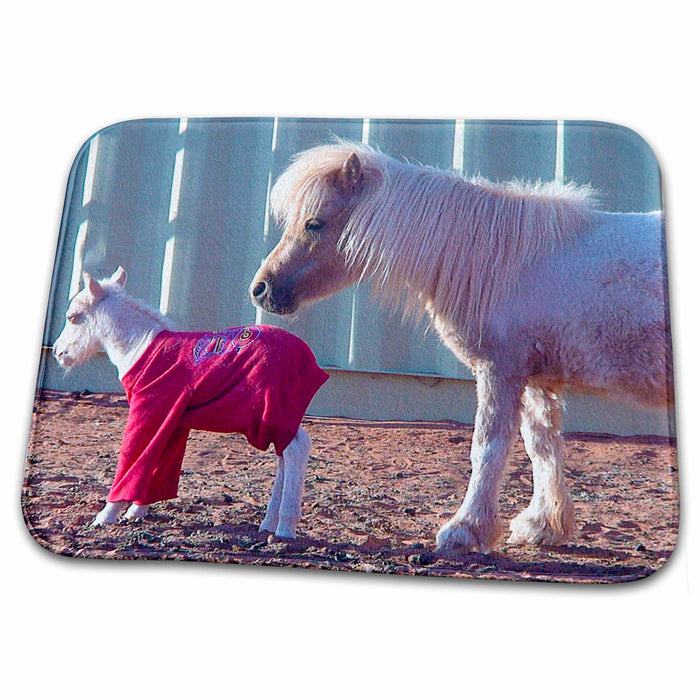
{"x":128,"y":214}
{"x":325,"y":325}
{"x":381,"y":340}
{"x":507,"y":150}
{"x":616,"y":161}
{"x":219,"y":219}
{"x":427,"y":142}
{"x":74,"y":215}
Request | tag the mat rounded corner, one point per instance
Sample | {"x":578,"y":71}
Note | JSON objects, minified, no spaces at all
{"x":34,"y":532}
{"x":632,"y":138}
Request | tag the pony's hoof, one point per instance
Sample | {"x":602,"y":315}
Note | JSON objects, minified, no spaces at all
{"x":285,"y":533}
{"x":537,"y":529}
{"x":460,"y":536}
{"x":267,"y":526}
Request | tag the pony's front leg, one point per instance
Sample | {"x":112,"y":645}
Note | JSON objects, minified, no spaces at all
{"x":110,"y":513}
{"x":476,"y":526}
{"x":549,"y":519}
{"x":295,"y":458}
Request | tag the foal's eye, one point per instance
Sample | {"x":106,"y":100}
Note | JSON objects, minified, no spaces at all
{"x":74,"y":318}
{"x":314,"y":224}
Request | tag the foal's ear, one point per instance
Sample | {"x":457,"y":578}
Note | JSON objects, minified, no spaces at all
{"x":119,"y":277}
{"x":350,"y":172}
{"x":93,"y":287}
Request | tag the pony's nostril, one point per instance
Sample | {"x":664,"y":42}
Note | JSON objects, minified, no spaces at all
{"x":259,"y":290}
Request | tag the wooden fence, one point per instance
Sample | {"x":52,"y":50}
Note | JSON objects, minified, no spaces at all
{"x":182,"y":205}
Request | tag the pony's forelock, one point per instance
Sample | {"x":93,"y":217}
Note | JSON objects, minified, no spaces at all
{"x":303,"y":187}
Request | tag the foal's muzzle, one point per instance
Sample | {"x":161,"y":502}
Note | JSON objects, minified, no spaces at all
{"x":62,"y":357}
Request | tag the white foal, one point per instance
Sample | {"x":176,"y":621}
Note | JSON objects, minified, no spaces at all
{"x":102,"y":317}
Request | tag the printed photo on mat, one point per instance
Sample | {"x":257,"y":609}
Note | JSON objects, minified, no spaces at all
{"x":434,"y":348}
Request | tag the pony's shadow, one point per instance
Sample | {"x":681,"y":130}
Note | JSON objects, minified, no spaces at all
{"x":346,"y":555}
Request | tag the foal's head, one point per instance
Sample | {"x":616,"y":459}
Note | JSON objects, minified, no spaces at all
{"x":314,"y":199}
{"x":84,"y":332}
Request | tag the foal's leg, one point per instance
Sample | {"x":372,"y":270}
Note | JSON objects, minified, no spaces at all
{"x":549,"y":519}
{"x":136,"y":511}
{"x":295,"y":458}
{"x":109,"y":514}
{"x":272,"y":514}
{"x":476,"y":525}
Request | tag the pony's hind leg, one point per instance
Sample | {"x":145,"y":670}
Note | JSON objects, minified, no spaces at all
{"x":476,"y":526}
{"x":295,"y":458}
{"x":549,"y":519}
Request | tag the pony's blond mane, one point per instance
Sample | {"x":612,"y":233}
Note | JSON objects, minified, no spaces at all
{"x":460,"y":244}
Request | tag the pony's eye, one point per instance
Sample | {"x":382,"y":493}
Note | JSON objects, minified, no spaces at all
{"x":314,"y":224}
{"x":74,"y":318}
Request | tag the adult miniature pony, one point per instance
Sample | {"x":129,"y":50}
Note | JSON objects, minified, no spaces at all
{"x":529,"y":285}
{"x":256,"y":380}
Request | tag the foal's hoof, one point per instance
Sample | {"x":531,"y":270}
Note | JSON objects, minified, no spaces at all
{"x":109,"y":514}
{"x":136,"y":512}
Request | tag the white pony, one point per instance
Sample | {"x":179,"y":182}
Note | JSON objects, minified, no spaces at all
{"x":102,"y":317}
{"x":529,"y":285}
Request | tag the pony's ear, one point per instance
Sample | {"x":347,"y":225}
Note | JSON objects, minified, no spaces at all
{"x":350,"y":172}
{"x":93,"y":286}
{"x":119,"y":277}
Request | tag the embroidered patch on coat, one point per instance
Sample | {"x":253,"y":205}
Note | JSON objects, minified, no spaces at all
{"x":219,"y":342}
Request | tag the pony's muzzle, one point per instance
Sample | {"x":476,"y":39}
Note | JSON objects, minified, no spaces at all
{"x":260,"y":294}
{"x":272,"y":299}
{"x":259,"y":291}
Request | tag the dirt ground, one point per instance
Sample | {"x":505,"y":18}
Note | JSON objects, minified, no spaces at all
{"x":376,"y":494}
